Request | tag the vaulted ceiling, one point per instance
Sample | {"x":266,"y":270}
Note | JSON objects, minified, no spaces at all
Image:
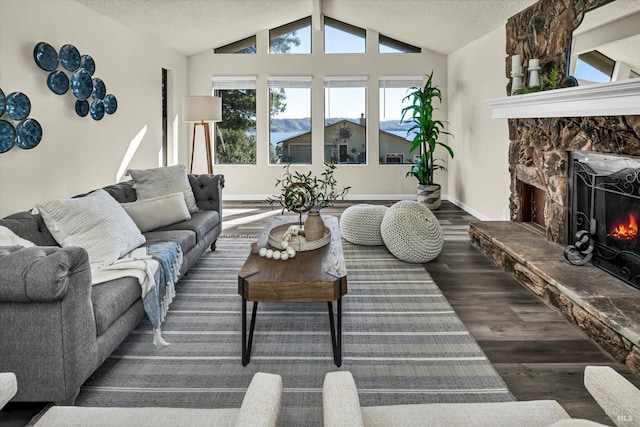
{"x":192,"y":26}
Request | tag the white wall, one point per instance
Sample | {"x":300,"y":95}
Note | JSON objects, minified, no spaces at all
{"x":367,"y":181}
{"x":479,"y":174}
{"x":79,"y":154}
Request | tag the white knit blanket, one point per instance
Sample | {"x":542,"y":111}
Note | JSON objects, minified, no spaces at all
{"x":136,"y":263}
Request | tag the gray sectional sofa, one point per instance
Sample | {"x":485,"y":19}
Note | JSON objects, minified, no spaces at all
{"x":57,"y":328}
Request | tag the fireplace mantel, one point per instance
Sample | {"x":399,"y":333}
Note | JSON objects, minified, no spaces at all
{"x":621,"y":98}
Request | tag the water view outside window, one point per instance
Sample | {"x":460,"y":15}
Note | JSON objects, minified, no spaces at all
{"x":294,"y":37}
{"x":235,"y":135}
{"x":290,"y":120}
{"x":345,"y":131}
{"x":394,"y":145}
{"x":340,"y":37}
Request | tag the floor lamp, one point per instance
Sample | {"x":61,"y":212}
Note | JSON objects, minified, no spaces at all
{"x":202,"y":110}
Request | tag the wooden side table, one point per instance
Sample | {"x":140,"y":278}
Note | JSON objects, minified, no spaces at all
{"x":319,"y":275}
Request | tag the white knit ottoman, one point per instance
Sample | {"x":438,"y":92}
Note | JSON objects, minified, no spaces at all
{"x":360,"y":224}
{"x":412,"y":232}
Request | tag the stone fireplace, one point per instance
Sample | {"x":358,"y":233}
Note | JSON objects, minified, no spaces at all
{"x":542,"y":150}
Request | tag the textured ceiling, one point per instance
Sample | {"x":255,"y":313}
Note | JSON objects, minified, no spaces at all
{"x":192,"y":26}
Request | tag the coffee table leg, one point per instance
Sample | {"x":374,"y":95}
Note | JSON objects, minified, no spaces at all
{"x":246,"y":345}
{"x":336,"y":336}
{"x":339,"y":334}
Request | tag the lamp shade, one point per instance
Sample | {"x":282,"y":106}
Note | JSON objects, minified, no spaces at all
{"x":201,"y":109}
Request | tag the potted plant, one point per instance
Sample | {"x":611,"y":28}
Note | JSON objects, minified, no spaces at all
{"x":424,"y":137}
{"x":302,"y":193}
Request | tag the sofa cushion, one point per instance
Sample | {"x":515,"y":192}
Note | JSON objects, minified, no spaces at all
{"x":185,"y":238}
{"x":200,"y":223}
{"x":96,"y":223}
{"x":149,"y":214}
{"x":161,"y":181}
{"x":111,"y":299}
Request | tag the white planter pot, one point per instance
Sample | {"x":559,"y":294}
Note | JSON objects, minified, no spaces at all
{"x":429,"y":195}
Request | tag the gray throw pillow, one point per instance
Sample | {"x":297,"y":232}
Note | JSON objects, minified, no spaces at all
{"x":149,"y":214}
{"x":95,"y":222}
{"x":163,"y":181}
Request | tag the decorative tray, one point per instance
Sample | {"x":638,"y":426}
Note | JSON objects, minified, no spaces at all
{"x":299,"y":243}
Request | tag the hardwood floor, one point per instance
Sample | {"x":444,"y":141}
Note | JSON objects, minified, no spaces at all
{"x":535,"y":350}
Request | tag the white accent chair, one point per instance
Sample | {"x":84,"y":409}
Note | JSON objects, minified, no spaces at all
{"x":260,"y":408}
{"x":617,"y":396}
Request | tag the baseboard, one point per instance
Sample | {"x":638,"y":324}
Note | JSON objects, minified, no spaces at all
{"x":468,"y":209}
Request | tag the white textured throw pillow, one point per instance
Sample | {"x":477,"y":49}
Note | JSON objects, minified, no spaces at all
{"x":163,"y":181}
{"x":95,"y":222}
{"x":9,"y":238}
{"x":149,"y":214}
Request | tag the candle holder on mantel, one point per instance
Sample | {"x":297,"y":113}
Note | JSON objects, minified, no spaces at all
{"x":516,"y":73}
{"x":534,"y":72}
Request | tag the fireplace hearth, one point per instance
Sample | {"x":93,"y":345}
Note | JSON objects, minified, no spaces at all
{"x":604,"y":211}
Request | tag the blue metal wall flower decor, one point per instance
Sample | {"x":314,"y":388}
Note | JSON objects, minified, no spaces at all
{"x":16,"y":128}
{"x":75,"y":76}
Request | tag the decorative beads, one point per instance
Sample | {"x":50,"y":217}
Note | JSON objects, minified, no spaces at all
{"x":288,"y":252}
{"x":284,"y":255}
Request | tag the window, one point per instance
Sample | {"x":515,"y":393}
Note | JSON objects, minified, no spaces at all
{"x":289,"y":119}
{"x":294,"y":37}
{"x":345,"y":131}
{"x":247,"y":45}
{"x":235,"y":135}
{"x":594,"y":66}
{"x":394,"y":145}
{"x":389,"y":45}
{"x":340,"y":37}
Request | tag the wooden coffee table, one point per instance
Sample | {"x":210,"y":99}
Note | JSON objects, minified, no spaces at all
{"x":318,"y":275}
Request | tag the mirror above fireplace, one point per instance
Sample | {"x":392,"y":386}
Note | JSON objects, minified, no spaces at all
{"x":606,"y":45}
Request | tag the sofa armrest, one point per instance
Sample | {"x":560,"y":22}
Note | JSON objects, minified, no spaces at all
{"x":207,"y":190}
{"x":39,"y":273}
{"x":262,"y":401}
{"x":8,"y":387}
{"x":340,"y":403}
{"x":619,"y":399}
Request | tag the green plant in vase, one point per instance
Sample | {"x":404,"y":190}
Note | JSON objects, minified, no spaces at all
{"x":424,"y":136}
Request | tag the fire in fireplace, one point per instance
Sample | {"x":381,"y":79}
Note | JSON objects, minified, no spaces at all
{"x":604,"y":197}
{"x":625,"y":228}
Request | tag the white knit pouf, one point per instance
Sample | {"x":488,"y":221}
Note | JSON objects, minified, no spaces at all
{"x":412,"y":232}
{"x":360,"y":224}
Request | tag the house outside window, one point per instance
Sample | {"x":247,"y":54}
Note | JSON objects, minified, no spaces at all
{"x":290,"y":119}
{"x":345,"y":132}
{"x":394,"y":145}
{"x":235,"y":135}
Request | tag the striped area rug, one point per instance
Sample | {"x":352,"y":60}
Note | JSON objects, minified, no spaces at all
{"x":401,"y":340}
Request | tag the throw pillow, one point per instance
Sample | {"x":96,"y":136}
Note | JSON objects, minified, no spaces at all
{"x":149,"y":214}
{"x":162,"y":181}
{"x":95,"y":222}
{"x":9,"y":238}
